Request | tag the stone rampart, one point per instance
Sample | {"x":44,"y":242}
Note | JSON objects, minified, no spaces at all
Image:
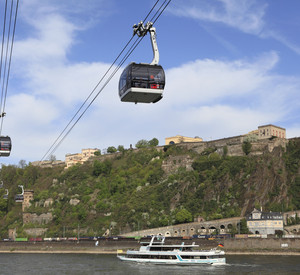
{"x":221,"y":226}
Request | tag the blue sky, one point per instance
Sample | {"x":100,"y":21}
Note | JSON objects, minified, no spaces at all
{"x":231,"y":65}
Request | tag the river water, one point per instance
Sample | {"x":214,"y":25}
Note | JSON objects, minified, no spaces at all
{"x":109,"y":264}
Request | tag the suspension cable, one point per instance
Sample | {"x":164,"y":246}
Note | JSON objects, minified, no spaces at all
{"x":8,"y":55}
{"x":82,"y":105}
{"x":5,"y":85}
{"x":54,"y":147}
{"x":66,"y":132}
{"x":2,"y":48}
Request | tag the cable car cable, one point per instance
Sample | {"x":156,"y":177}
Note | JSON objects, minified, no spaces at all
{"x":161,"y":11}
{"x":151,"y":20}
{"x":104,"y":85}
{"x":151,"y":10}
{"x":54,"y":147}
{"x":82,"y":105}
{"x":9,"y":63}
{"x":2,"y":47}
{"x":120,"y":64}
{"x":66,"y":127}
{"x":47,"y":153}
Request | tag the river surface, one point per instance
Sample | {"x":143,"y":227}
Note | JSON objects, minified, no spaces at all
{"x":39,"y":264}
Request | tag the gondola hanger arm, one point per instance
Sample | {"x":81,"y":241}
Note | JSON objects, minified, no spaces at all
{"x":141,"y":30}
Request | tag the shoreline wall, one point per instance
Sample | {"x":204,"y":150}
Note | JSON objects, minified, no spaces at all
{"x":282,"y":245}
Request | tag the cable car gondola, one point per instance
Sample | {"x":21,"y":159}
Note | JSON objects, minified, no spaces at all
{"x":143,"y":83}
{"x":5,"y":196}
{"x":5,"y":146}
{"x":20,"y":197}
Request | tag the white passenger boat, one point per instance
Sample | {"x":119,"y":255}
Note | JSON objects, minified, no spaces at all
{"x":156,"y":251}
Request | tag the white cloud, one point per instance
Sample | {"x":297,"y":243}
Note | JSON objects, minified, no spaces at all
{"x":245,"y":15}
{"x":214,"y":80}
{"x":223,"y":98}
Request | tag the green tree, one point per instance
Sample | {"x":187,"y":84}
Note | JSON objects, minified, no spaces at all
{"x":101,"y":167}
{"x":153,"y":142}
{"x":246,"y":146}
{"x":243,"y":227}
{"x":121,"y":148}
{"x":111,"y":149}
{"x":3,"y":207}
{"x":97,"y":168}
{"x":295,"y":192}
{"x":142,"y":144}
{"x":97,"y":153}
{"x":183,"y":216}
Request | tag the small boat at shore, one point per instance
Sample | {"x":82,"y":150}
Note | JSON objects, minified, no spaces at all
{"x":158,"y":252}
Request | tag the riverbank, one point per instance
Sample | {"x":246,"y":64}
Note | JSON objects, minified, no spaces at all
{"x":114,"y":246}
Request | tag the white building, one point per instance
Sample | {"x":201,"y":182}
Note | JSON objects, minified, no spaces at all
{"x":264,"y":223}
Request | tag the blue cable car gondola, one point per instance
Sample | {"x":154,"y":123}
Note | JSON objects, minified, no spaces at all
{"x":5,"y":146}
{"x":143,"y":83}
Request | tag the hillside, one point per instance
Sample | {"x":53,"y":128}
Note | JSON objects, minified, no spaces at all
{"x":152,"y":187}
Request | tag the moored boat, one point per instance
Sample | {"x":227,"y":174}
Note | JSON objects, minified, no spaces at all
{"x":158,"y":252}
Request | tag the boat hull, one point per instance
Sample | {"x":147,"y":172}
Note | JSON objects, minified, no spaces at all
{"x":177,"y":261}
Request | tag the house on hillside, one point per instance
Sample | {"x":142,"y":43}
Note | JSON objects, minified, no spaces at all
{"x":264,"y":223}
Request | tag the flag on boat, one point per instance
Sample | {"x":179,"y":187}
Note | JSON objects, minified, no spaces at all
{"x":221,"y":245}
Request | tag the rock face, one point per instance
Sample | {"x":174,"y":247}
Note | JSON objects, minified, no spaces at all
{"x":74,"y":201}
{"x":37,"y":219}
{"x":174,"y":162}
{"x":48,"y":202}
{"x":233,"y":145}
{"x":258,"y":181}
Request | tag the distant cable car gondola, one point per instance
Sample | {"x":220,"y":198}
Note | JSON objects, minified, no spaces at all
{"x":143,"y":83}
{"x":5,"y":146}
{"x":5,"y":196}
{"x":20,"y":197}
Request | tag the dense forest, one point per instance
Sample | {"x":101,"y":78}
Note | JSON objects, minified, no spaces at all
{"x":130,"y":190}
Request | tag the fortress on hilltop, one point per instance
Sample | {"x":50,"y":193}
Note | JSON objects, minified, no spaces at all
{"x":265,"y":136}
